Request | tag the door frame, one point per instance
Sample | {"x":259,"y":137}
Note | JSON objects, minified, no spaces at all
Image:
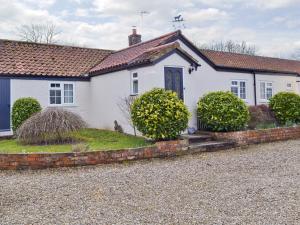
{"x":9,"y":116}
{"x":183,"y":75}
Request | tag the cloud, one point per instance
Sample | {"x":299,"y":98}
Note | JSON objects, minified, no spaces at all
{"x":273,"y":4}
{"x":290,"y":23}
{"x":204,"y":15}
{"x":107,"y":23}
{"x":40,"y":3}
{"x":259,"y":4}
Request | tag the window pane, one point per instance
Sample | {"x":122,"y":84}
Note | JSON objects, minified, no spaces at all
{"x":58,"y":93}
{"x":68,"y":87}
{"x":262,"y":90}
{"x":135,"y":87}
{"x":55,"y":85}
{"x":52,"y":93}
{"x":58,"y":100}
{"x":243,"y":90}
{"x":68,"y":100}
{"x":135,"y":75}
{"x":235,"y":90}
{"x":68,"y":93}
{"x":269,"y":93}
{"x":52,"y":100}
{"x":55,"y":96}
{"x":234,"y":83}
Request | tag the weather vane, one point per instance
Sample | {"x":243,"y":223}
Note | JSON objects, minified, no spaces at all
{"x":178,"y":23}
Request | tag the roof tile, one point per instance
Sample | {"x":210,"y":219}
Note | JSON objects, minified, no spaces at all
{"x":123,"y":57}
{"x":25,"y":58}
{"x":255,"y":63}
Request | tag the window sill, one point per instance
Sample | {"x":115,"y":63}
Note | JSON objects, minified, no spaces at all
{"x":263,"y":101}
{"x":64,"y":105}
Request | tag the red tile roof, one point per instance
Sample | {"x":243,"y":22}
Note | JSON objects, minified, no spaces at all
{"x":255,"y":63}
{"x":123,"y":58}
{"x":23,"y":58}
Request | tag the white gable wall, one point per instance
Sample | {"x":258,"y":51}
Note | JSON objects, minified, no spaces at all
{"x":118,"y":84}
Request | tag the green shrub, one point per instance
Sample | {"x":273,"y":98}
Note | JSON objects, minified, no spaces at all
{"x":286,"y":106}
{"x":22,"y":109}
{"x":223,"y":111}
{"x":160,"y":114}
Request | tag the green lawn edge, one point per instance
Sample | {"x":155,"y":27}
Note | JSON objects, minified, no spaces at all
{"x":95,"y":139}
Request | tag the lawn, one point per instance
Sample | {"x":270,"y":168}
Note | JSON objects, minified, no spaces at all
{"x":93,"y":138}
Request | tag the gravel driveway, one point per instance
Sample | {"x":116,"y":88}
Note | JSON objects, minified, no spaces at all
{"x":256,"y":185}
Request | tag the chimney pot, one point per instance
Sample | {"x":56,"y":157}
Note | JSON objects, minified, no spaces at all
{"x":134,"y":38}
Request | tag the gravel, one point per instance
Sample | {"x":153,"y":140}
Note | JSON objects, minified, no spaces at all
{"x":255,"y":185}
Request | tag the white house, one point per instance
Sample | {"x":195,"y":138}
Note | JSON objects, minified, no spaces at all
{"x":92,"y":82}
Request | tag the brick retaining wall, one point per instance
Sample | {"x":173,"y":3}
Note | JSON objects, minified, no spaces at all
{"x":52,"y":160}
{"x":160,"y":150}
{"x":258,"y":136}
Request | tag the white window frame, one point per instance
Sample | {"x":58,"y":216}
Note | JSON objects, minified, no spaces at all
{"x":265,"y":99}
{"x":239,"y":88}
{"x":133,"y":79}
{"x":62,"y":93}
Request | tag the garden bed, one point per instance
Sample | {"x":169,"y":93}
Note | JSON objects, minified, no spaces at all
{"x":95,"y":140}
{"x":71,"y":159}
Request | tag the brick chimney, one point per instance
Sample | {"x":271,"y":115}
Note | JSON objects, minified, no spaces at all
{"x":134,"y":38}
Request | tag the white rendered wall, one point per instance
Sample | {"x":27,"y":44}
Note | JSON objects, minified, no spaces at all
{"x":97,"y":101}
{"x":106,"y":93}
{"x":39,"y":89}
{"x":112,"y":87}
{"x":279,"y":82}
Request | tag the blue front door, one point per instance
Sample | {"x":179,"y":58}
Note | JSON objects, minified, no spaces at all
{"x":174,"y":80}
{"x":4,"y":104}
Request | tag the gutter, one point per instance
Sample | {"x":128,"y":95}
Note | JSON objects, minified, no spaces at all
{"x":255,"y":89}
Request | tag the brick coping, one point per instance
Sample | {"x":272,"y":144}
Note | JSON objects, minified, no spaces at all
{"x":249,"y":137}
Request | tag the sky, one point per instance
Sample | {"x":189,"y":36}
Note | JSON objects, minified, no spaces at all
{"x":273,"y":26}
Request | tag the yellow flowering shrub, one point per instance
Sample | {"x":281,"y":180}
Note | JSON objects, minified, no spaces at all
{"x":159,"y":114}
{"x":223,"y":111}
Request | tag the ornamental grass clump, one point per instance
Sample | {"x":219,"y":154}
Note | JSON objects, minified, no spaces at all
{"x":160,"y":114}
{"x":223,"y":111}
{"x":22,"y":109}
{"x":261,"y":116}
{"x":51,"y":126}
{"x":286,"y":107}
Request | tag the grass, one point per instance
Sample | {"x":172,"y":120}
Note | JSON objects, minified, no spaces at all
{"x":93,"y":138}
